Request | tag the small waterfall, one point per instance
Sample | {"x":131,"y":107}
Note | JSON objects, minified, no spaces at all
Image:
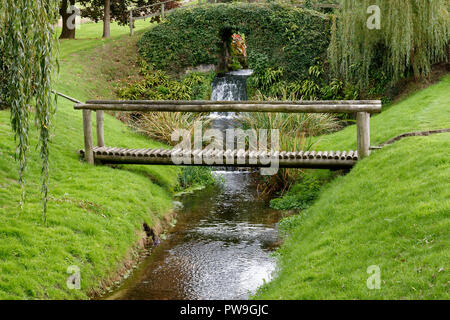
{"x":230,"y":87}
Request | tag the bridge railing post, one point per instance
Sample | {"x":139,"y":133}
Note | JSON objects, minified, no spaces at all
{"x":100,"y":121}
{"x":363,"y":134}
{"x":131,"y":22}
{"x":87,"y":129}
{"x":162,"y":10}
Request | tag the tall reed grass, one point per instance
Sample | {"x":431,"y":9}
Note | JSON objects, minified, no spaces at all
{"x":295,"y":133}
{"x":160,"y":125}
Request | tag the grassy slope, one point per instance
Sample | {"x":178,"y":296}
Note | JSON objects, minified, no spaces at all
{"x":94,"y":212}
{"x":391,"y":210}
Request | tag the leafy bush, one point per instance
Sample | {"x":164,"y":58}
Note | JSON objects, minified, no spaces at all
{"x":280,"y":36}
{"x":157,"y":85}
{"x":268,"y":83}
{"x":195,"y":176}
{"x":300,"y":196}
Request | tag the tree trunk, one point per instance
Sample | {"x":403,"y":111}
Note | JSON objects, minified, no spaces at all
{"x":107,"y":19}
{"x":68,"y":32}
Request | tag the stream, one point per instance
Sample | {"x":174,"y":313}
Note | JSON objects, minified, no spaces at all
{"x":221,"y":245}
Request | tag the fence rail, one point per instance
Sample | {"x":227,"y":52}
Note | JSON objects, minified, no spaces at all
{"x":368,"y":106}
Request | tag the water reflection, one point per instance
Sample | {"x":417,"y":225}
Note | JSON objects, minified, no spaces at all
{"x":219,"y":249}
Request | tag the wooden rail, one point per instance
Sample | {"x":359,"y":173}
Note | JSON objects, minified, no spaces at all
{"x":321,"y":159}
{"x":366,"y":106}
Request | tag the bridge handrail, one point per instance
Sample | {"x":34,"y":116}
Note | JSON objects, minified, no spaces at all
{"x":330,"y":106}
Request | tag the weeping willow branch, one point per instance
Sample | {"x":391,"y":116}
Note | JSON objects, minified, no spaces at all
{"x":27,"y":63}
{"x":413,"y":35}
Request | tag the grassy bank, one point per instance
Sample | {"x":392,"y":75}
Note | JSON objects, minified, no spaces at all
{"x":392,"y":210}
{"x":95,"y":213}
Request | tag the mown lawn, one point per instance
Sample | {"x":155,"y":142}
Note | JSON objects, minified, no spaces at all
{"x":392,"y":210}
{"x":93,"y":31}
{"x":95,"y":212}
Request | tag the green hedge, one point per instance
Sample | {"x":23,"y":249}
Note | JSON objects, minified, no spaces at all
{"x":279,"y":36}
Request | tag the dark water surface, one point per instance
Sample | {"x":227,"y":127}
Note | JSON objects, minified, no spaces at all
{"x":219,"y":249}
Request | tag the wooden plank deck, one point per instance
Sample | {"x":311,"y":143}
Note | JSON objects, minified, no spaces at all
{"x":234,"y":158}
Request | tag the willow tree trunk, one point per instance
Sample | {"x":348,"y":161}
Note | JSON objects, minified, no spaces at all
{"x":107,"y":19}
{"x":68,"y":29}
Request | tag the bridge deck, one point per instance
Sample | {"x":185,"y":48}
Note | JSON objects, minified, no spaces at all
{"x":235,"y":158}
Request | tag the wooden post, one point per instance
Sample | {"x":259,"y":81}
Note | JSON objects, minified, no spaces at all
{"x":87,"y":128}
{"x":100,"y":128}
{"x":363,"y":134}
{"x":131,"y":23}
{"x":162,"y":10}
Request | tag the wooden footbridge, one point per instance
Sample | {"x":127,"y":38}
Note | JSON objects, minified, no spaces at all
{"x":241,"y":158}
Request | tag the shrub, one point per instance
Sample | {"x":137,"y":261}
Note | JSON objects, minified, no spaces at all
{"x":277,"y":35}
{"x":300,"y":196}
{"x":157,"y":85}
{"x":268,"y":83}
{"x":195,"y":176}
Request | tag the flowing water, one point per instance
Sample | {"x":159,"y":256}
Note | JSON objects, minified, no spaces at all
{"x":229,"y":87}
{"x":221,"y":245}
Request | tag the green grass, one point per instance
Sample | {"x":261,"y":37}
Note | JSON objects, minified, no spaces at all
{"x":93,"y":31}
{"x":392,"y":210}
{"x":427,"y":109}
{"x":95,"y":212}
